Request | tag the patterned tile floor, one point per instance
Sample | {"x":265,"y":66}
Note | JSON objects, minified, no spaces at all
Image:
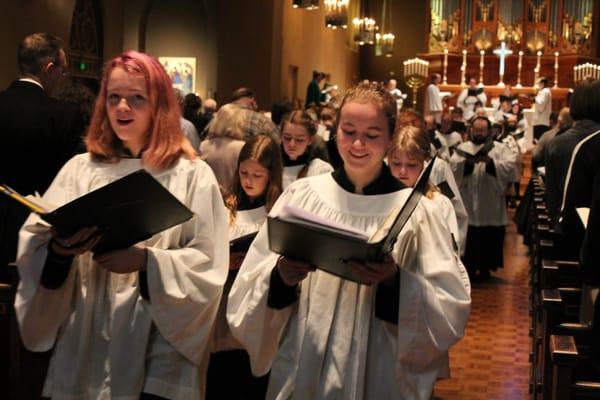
{"x":492,"y":360}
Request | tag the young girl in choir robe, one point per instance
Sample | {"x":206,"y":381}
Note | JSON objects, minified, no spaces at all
{"x":408,"y":156}
{"x":256,"y":187}
{"x":298,"y":132}
{"x":325,"y":337}
{"x":133,"y":323}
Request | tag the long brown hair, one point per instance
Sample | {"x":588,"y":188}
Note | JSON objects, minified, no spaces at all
{"x":166,"y":142}
{"x":302,"y":118}
{"x":264,"y":150}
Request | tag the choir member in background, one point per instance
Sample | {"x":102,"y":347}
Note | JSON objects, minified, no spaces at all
{"x":483,"y":168}
{"x":298,"y":141}
{"x":433,"y":100}
{"x":389,"y":333}
{"x":542,"y":108}
{"x":469,"y":97}
{"x":255,"y":189}
{"x":392,"y":87}
{"x":449,"y":137}
{"x":132,"y":323}
{"x":458,"y":122}
{"x":408,"y":156}
{"x":513,"y":190}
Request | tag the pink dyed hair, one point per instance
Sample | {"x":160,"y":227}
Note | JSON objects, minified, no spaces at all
{"x":166,"y":142}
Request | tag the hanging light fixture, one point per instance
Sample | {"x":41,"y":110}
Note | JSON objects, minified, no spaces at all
{"x":364,"y":26}
{"x":365,"y":30}
{"x":384,"y":41}
{"x":336,"y":13}
{"x":306,"y":4}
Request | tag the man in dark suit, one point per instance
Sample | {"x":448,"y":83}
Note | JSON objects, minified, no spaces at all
{"x":38,"y":134}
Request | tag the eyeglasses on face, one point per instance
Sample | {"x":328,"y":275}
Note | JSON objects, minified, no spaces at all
{"x":134,"y":100}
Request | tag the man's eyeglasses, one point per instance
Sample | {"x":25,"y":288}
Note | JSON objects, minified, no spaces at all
{"x":134,"y":100}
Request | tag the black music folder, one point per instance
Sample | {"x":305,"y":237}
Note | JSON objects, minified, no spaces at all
{"x":330,"y":247}
{"x":242,"y":243}
{"x":127,"y":211}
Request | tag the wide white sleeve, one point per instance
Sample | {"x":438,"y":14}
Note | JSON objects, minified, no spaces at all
{"x":542,"y":100}
{"x":460,"y":102}
{"x":253,"y":323}
{"x":505,"y":163}
{"x":483,"y":98}
{"x":185,"y":281}
{"x":462,"y":218}
{"x":41,"y":312}
{"x":435,"y":298}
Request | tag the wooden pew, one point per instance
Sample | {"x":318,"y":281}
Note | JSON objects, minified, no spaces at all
{"x":566,"y":385}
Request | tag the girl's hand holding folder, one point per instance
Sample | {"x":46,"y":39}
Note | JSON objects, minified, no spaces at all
{"x":293,"y":271}
{"x":373,"y":272}
{"x":83,"y":240}
{"x":125,"y":261}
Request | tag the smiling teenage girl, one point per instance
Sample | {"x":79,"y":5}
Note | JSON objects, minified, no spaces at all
{"x":325,"y":337}
{"x":134,"y":322}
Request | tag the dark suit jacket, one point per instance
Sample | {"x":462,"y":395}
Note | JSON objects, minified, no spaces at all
{"x":38,"y":135}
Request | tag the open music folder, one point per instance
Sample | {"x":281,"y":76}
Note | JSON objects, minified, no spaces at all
{"x":127,"y":211}
{"x":329,"y":246}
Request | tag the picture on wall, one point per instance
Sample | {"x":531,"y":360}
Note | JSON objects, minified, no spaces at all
{"x":182,"y":71}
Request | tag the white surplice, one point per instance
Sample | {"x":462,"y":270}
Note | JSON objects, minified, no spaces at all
{"x":245,"y":223}
{"x":483,"y":193}
{"x":329,"y":344}
{"x":110,"y":343}
{"x":442,"y":172}
{"x":316,"y":167}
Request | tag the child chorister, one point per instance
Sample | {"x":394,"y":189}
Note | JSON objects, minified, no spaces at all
{"x":298,"y":131}
{"x":256,"y":187}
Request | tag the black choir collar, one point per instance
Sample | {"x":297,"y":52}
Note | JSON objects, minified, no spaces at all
{"x":385,"y":183}
{"x":303,"y":159}
{"x":246,"y":203}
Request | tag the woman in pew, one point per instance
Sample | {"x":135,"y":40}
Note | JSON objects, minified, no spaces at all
{"x":133,"y":323}
{"x":298,"y":134}
{"x":255,"y":189}
{"x":326,"y":337}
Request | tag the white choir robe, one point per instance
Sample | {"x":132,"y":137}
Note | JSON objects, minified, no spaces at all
{"x":245,"y":223}
{"x":513,"y":146}
{"x":316,"y":167}
{"x":442,"y":172}
{"x":433,"y":102}
{"x":109,"y":341}
{"x":482,"y":193}
{"x":449,"y":141}
{"x":329,"y":344}
{"x":467,"y":103}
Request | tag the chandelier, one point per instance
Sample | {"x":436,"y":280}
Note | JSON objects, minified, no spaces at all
{"x":306,"y":4}
{"x":336,"y":13}
{"x":384,"y":42}
{"x":365,"y":30}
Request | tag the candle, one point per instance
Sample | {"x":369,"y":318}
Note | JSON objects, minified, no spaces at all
{"x":463,"y":68}
{"x":445,"y":65}
{"x":556,"y":69}
{"x":519,"y":69}
{"x":537,"y":68}
{"x":481,"y":55}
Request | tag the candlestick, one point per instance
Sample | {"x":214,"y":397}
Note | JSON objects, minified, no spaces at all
{"x":445,"y":80}
{"x":556,"y":69}
{"x":463,"y":68}
{"x":519,"y":69}
{"x":537,"y":68}
{"x":481,"y":54}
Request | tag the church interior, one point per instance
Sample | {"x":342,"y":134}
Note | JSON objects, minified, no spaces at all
{"x":526,"y":337}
